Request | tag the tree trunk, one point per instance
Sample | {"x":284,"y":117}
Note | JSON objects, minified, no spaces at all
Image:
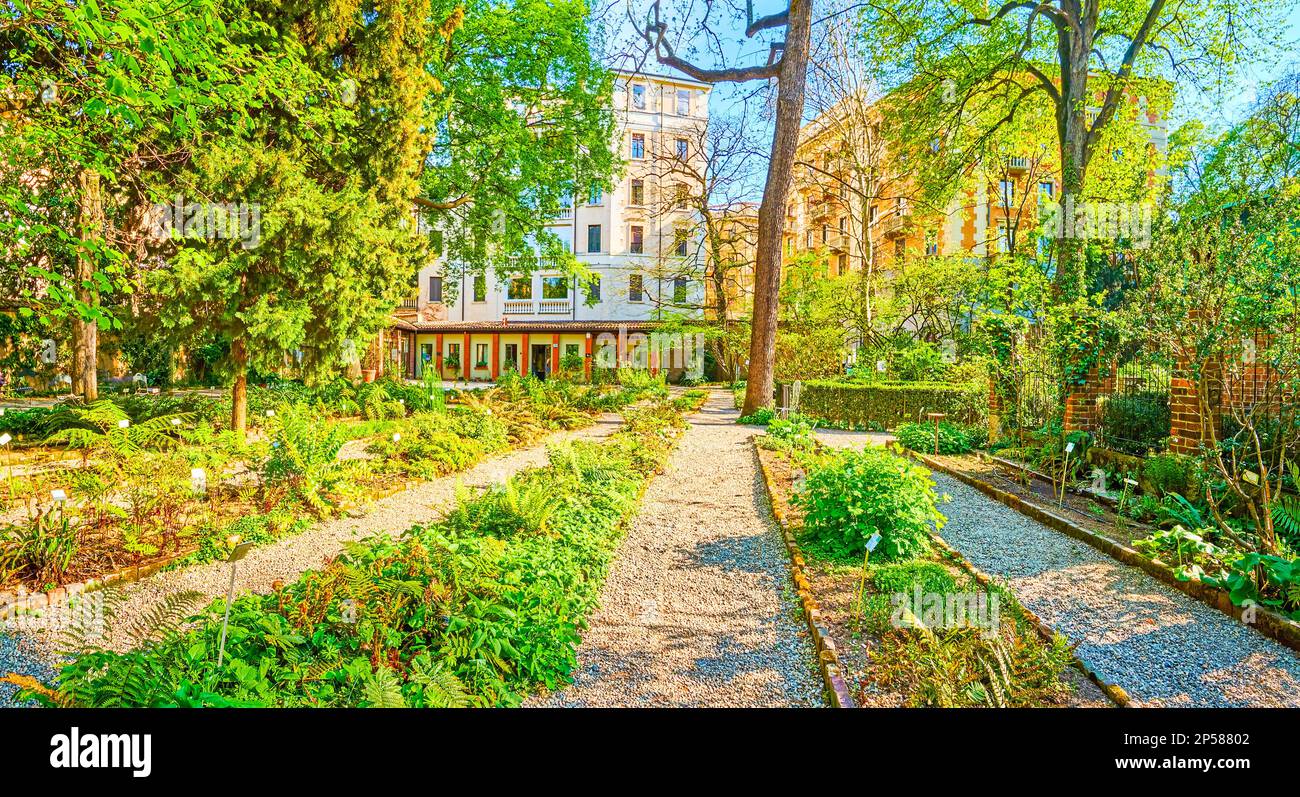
{"x":1072,"y":132}
{"x":239,"y":392}
{"x":771,"y":214}
{"x":85,"y":333}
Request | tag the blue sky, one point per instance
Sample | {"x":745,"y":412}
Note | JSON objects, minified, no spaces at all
{"x":1217,"y":112}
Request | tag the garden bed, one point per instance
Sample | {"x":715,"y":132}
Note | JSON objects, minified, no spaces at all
{"x":885,"y":665}
{"x":481,"y":608}
{"x":131,"y":507}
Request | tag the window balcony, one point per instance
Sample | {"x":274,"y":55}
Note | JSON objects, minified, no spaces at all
{"x":518,"y":307}
{"x":1018,"y":164}
{"x":554,"y":307}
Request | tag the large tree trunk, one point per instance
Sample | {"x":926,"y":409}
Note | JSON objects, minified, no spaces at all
{"x":85,"y":334}
{"x":239,"y":391}
{"x":771,"y":215}
{"x":1072,"y":133}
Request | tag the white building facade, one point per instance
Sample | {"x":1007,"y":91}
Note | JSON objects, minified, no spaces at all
{"x":640,"y":240}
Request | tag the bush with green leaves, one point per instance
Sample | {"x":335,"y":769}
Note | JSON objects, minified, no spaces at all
{"x":1135,"y":423}
{"x":785,"y":435}
{"x":953,"y":439}
{"x":884,"y":405}
{"x":850,"y":495}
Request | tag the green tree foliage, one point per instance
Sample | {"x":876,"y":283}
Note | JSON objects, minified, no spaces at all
{"x":973,"y":78}
{"x":94,"y":102}
{"x":523,"y":124}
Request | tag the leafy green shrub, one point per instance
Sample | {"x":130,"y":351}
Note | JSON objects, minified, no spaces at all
{"x":795,"y":433}
{"x":903,"y":578}
{"x":887,"y":404}
{"x":1171,"y":473}
{"x":1135,"y":423}
{"x":851,"y":495}
{"x":953,"y":439}
{"x":304,"y":454}
{"x":759,"y":417}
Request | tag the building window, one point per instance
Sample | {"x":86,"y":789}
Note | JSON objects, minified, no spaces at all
{"x":683,"y":102}
{"x":597,"y":195}
{"x":636,"y":243}
{"x":844,"y":225}
{"x":808,"y":239}
{"x":435,"y":289}
{"x":1004,"y":238}
{"x":453,"y":352}
{"x":638,"y":146}
{"x":480,"y":287}
{"x":480,"y":355}
{"x":593,"y":238}
{"x":593,"y":289}
{"x":638,"y":96}
{"x":512,"y":354}
{"x":637,"y":192}
{"x":1006,"y":193}
{"x":635,"y":288}
{"x":900,"y":249}
{"x":570,"y":350}
{"x":931,"y":242}
{"x":1046,"y":192}
{"x":681,"y":195}
{"x":682,"y":242}
{"x":679,"y":290}
{"x":871,"y":215}
{"x":825,"y":233}
{"x":520,"y":288}
{"x":683,"y":148}
{"x":555,"y":288}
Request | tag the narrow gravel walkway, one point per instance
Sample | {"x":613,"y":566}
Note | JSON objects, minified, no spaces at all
{"x":1161,"y":646}
{"x":696,"y":609}
{"x":288,"y":558}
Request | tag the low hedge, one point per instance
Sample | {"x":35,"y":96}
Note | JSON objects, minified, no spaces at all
{"x":884,"y":405}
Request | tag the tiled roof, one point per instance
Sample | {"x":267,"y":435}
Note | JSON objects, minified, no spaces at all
{"x":523,"y":326}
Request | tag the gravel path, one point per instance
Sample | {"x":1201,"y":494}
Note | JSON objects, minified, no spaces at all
{"x":696,"y":611}
{"x":1161,"y":646}
{"x":291,"y":556}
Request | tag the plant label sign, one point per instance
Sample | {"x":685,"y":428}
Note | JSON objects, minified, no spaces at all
{"x":4,"y":439}
{"x":873,"y":542}
{"x":1250,"y":477}
{"x":1069,"y":448}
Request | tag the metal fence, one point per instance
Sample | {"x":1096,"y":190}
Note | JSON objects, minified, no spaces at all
{"x":1135,"y":415}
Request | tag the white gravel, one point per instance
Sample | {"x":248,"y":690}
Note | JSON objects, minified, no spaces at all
{"x":33,"y":652}
{"x":696,"y":610}
{"x":1163,"y":647}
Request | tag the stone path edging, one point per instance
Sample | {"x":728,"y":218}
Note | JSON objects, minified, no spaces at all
{"x":1266,"y":622}
{"x":828,"y":659}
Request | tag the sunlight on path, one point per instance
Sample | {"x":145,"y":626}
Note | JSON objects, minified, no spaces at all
{"x":696,"y":611}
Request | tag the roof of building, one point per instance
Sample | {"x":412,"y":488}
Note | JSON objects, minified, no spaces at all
{"x":523,"y":326}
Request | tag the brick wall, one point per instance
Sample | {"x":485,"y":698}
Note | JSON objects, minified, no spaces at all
{"x":1082,"y":413}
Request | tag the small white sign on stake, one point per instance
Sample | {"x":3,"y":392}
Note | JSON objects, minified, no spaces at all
{"x":59,"y":496}
{"x":873,"y":542}
{"x":1250,"y":477}
{"x":199,"y":481}
{"x":1069,"y":448}
{"x":4,"y":439}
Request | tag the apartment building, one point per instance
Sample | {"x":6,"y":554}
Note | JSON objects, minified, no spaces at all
{"x":854,"y":202}
{"x":640,"y":240}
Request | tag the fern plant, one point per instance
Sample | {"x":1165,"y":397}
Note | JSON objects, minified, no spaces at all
{"x":104,"y":429}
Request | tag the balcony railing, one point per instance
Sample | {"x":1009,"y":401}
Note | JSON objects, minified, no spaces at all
{"x":410,"y":304}
{"x":554,"y":307}
{"x":518,"y":307}
{"x":1018,"y":164}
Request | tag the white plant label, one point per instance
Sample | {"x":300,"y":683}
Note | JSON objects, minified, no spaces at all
{"x":124,"y":423}
{"x":4,"y":439}
{"x":1251,"y":477}
{"x":1130,"y":483}
{"x":873,"y":542}
{"x":59,"y":496}
{"x":199,"y":481}
{"x":1069,"y":448}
